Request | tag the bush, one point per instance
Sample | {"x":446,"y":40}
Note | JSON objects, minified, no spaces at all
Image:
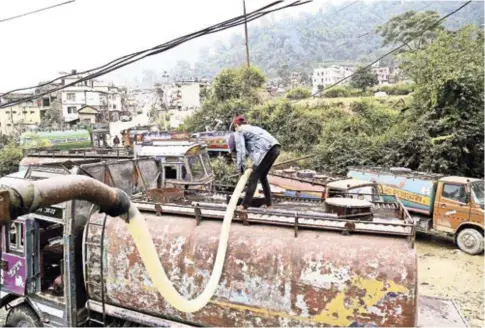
{"x":225,"y":173}
{"x":336,"y":92}
{"x":10,"y":157}
{"x":396,"y":90}
{"x":299,"y":93}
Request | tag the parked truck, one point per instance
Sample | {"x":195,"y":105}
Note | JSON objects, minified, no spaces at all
{"x":62,"y":139}
{"x":72,"y":265}
{"x":449,"y":205}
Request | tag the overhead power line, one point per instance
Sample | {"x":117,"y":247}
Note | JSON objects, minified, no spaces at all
{"x":134,"y":57}
{"x":347,"y":6}
{"x":395,"y":49}
{"x":35,"y":11}
{"x":373,"y":31}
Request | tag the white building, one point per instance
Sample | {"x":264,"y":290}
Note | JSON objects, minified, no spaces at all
{"x":383,"y":74}
{"x":330,"y":75}
{"x":106,"y":98}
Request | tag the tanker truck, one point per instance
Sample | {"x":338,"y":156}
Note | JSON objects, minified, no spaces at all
{"x":62,"y":139}
{"x":66,"y":263}
{"x":442,"y":205}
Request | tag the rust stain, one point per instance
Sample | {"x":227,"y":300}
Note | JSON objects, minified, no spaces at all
{"x":270,"y":278}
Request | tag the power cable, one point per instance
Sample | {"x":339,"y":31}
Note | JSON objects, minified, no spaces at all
{"x":373,"y":31}
{"x":129,"y":59}
{"x":35,"y":11}
{"x":395,"y":49}
{"x":132,"y":55}
{"x":347,"y":6}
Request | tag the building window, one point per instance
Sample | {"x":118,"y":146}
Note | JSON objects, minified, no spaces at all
{"x":32,"y":112}
{"x":71,"y":110}
{"x":24,"y":112}
{"x":14,"y":112}
{"x":45,"y":102}
{"x":71,"y":96}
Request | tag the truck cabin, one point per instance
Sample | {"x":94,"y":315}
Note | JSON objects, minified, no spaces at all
{"x":33,"y":254}
{"x":182,"y":163}
{"x":353,"y":188}
{"x":463,"y":190}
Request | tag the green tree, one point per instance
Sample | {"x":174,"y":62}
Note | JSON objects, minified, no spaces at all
{"x":364,"y":78}
{"x":52,"y":117}
{"x":10,"y":157}
{"x":234,"y":91}
{"x":298,"y":93}
{"x":453,"y":55}
{"x":284,"y":75}
{"x":407,"y":26}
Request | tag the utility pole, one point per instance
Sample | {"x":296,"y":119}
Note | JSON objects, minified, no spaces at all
{"x":246,"y":32}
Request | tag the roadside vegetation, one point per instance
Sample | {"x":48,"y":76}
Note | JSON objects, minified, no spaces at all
{"x":435,"y":124}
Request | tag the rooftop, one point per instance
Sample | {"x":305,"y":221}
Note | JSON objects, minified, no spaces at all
{"x":456,"y":179}
{"x":348,"y":183}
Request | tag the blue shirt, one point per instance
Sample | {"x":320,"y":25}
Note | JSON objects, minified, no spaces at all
{"x":254,"y":142}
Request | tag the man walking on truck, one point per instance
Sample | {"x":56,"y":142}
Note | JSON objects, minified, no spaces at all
{"x":262,"y":149}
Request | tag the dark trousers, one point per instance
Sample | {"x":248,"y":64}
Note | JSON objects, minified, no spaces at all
{"x":261,"y":173}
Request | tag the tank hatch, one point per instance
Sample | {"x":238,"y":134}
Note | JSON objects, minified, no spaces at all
{"x":348,"y":208}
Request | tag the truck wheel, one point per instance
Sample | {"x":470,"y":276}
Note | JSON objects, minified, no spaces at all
{"x":23,"y":316}
{"x":470,"y":241}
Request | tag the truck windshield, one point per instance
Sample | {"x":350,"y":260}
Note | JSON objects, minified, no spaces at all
{"x":477,"y":193}
{"x":196,"y":167}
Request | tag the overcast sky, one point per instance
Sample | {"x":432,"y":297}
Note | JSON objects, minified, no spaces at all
{"x":89,"y":33}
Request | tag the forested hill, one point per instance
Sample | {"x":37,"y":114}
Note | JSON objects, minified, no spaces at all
{"x":334,"y":33}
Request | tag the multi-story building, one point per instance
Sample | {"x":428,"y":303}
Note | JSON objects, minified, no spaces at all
{"x":383,"y":74}
{"x":18,"y":118}
{"x":106,"y":98}
{"x":330,"y":75}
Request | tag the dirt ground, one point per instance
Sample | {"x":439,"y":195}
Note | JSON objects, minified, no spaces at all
{"x":444,"y":271}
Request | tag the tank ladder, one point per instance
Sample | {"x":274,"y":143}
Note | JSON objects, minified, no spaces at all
{"x":94,"y":283}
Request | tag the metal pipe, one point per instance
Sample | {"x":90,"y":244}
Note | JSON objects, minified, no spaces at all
{"x":19,"y":197}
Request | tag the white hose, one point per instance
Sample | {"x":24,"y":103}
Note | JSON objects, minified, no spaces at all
{"x":144,"y":243}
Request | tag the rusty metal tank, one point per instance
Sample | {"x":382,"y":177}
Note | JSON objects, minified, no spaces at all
{"x":270,"y":277}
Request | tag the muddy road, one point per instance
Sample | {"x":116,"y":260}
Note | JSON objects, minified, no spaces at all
{"x":444,"y":271}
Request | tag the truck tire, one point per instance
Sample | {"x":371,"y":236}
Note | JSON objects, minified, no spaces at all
{"x":470,"y":241}
{"x":23,"y":316}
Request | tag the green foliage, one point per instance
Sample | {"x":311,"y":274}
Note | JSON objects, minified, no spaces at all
{"x":451,"y":56}
{"x":234,"y":91}
{"x":364,"y":78}
{"x":306,"y":40}
{"x":294,"y":127}
{"x":225,"y":173}
{"x":241,"y":83}
{"x":337,"y":92}
{"x":10,"y":157}
{"x":52,"y":116}
{"x":441,"y":128}
{"x":298,"y":93}
{"x":345,"y":91}
{"x":407,"y":26}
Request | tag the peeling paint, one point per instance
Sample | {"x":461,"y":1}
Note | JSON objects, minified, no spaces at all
{"x":270,"y":278}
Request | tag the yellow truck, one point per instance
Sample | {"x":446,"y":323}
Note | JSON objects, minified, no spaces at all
{"x":449,"y":205}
